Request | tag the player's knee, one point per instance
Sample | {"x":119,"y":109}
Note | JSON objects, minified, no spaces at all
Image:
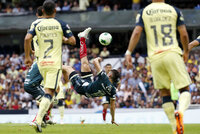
{"x":166,"y":99}
{"x":165,"y":92}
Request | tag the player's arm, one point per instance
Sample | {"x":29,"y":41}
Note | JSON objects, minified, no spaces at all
{"x":184,"y":37}
{"x":112,"y":110}
{"x":183,"y":34}
{"x":97,"y":65}
{"x":134,"y":40}
{"x":28,"y":49}
{"x":71,"y":40}
{"x":132,"y":45}
{"x":194,"y":43}
{"x":67,"y":33}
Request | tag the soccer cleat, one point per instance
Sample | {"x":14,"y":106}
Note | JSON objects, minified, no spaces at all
{"x":37,"y":127}
{"x":85,"y":33}
{"x":179,"y":123}
{"x":48,"y":120}
{"x":43,"y":125}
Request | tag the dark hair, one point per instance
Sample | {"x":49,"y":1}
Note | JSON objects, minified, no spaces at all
{"x":49,"y":7}
{"x":115,"y":76}
{"x":108,"y":65}
{"x":39,"y":11}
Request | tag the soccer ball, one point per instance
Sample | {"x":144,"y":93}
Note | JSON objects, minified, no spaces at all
{"x":105,"y":38}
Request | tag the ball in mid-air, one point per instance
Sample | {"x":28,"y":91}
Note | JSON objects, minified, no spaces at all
{"x":105,"y":38}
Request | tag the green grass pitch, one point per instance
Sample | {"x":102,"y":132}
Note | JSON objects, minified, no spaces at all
{"x":98,"y":129}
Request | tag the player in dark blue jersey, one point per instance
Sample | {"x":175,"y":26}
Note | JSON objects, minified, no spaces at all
{"x":33,"y":77}
{"x":104,"y":85}
{"x":194,"y":43}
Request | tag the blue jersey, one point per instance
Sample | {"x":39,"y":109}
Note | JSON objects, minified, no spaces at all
{"x":100,"y":87}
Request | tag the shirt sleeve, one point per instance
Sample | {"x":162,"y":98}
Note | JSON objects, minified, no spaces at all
{"x":139,"y":20}
{"x":66,"y":29}
{"x":198,"y":39}
{"x":32,"y":29}
{"x":180,"y":18}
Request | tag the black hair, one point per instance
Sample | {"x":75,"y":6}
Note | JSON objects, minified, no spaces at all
{"x":108,"y":65}
{"x":115,"y":77}
{"x":39,"y":11}
{"x":49,"y":7}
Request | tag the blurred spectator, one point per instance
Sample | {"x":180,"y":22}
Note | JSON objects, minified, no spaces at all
{"x":68,"y":102}
{"x":105,"y":53}
{"x":75,"y":6}
{"x":77,"y":65}
{"x":8,"y":9}
{"x":138,"y":59}
{"x":66,"y":6}
{"x":95,"y":49}
{"x":58,"y":7}
{"x":18,"y":9}
{"x":106,"y":8}
{"x":135,"y":4}
{"x":116,"y":7}
{"x":83,"y":4}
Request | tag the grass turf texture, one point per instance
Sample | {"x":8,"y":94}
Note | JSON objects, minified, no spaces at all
{"x":97,"y":129}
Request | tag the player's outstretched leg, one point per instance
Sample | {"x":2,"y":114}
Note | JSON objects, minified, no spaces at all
{"x":83,"y":50}
{"x":184,"y":102}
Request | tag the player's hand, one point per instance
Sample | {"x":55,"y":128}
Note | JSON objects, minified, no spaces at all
{"x":65,"y":39}
{"x":28,"y":61}
{"x":128,"y":62}
{"x":113,"y":122}
{"x":185,"y":56}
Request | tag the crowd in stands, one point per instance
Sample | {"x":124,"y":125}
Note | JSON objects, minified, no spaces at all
{"x":17,"y":7}
{"x":136,"y":89}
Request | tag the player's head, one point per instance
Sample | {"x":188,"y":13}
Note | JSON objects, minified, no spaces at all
{"x":39,"y":11}
{"x":114,"y":76}
{"x":108,"y":68}
{"x":49,"y":7}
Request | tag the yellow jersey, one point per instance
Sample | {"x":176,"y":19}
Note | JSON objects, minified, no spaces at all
{"x":160,"y":21}
{"x":49,"y":34}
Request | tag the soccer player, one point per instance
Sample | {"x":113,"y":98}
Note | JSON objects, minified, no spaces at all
{"x":33,"y":77}
{"x":32,"y":84}
{"x":49,"y":32}
{"x":105,"y":85}
{"x":160,"y":22}
{"x":106,"y":99}
{"x":194,"y":43}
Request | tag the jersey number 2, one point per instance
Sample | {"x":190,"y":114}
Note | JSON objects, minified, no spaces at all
{"x":166,"y":34}
{"x":48,"y":49}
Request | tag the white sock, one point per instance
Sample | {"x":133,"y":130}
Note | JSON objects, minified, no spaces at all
{"x":169,"y":111}
{"x":61,"y":110}
{"x":43,"y":108}
{"x":184,"y":101}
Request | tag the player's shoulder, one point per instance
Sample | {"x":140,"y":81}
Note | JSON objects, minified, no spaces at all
{"x":37,"y":21}
{"x":62,"y":23}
